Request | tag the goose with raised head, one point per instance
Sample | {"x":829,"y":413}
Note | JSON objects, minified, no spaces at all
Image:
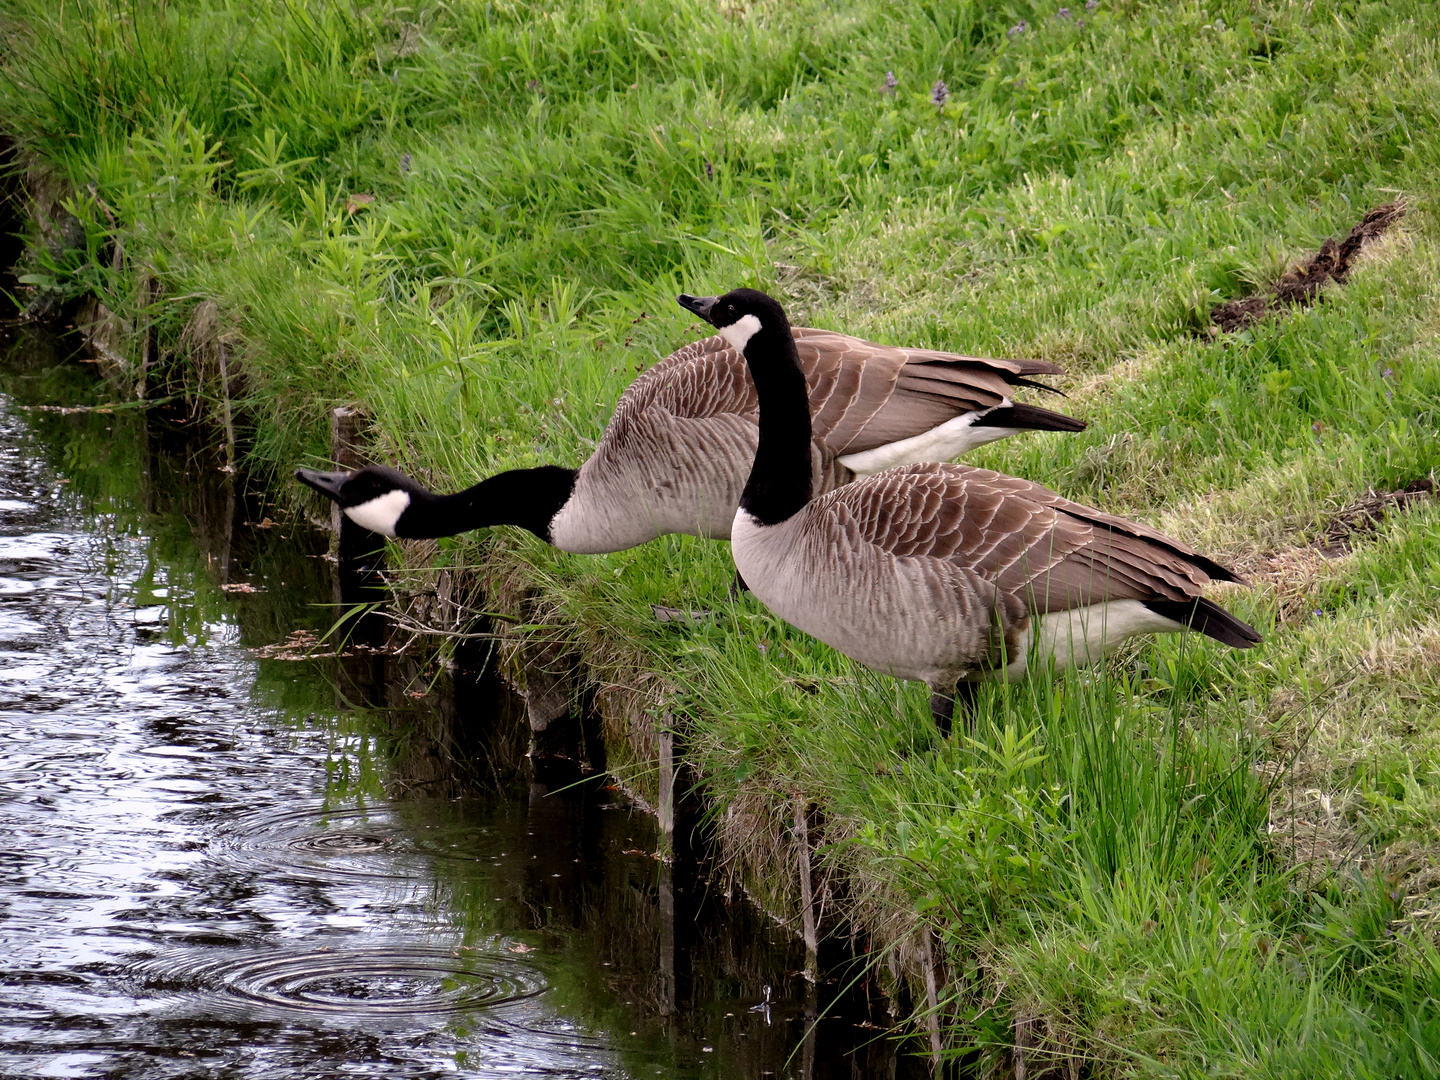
{"x":946,"y":574}
{"x":676,"y":453}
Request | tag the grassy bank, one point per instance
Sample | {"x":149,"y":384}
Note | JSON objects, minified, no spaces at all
{"x":472,"y":220}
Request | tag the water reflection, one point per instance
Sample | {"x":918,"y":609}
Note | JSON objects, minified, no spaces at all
{"x":215,"y":865}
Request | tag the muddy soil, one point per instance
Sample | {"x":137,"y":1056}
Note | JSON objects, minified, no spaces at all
{"x":1363,"y":516}
{"x":1302,"y":284}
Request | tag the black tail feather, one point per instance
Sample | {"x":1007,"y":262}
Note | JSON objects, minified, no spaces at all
{"x":1216,"y":571}
{"x":1035,"y":367}
{"x":1020,"y":380}
{"x":1028,"y":418}
{"x":1027,"y":368}
{"x":1208,"y":618}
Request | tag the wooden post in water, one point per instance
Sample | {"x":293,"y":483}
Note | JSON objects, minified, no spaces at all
{"x":222,"y":356}
{"x":812,"y":1018}
{"x":807,"y":891}
{"x":932,"y":997}
{"x":150,"y":293}
{"x":345,"y":452}
{"x":667,"y":940}
{"x":359,"y":553}
{"x":666,"y":798}
{"x":1025,"y":1039}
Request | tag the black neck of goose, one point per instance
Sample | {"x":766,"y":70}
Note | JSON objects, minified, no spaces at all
{"x":529,"y":498}
{"x":780,"y":481}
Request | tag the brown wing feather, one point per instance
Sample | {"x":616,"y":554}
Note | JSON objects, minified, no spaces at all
{"x":865,"y":395}
{"x":1021,"y":368}
{"x":1027,"y":540}
{"x":849,"y":381}
{"x":862,"y":395}
{"x":1112,"y":523}
{"x":705,"y":379}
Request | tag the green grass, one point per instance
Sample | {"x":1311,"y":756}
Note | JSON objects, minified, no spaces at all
{"x":1195,"y":862}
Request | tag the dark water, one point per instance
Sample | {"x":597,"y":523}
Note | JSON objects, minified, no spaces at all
{"x":222,"y":863}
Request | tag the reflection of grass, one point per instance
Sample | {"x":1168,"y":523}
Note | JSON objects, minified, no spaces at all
{"x":1127,"y":861}
{"x":163,"y":502}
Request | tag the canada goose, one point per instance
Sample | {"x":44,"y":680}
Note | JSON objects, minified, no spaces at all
{"x":676,"y":452}
{"x":943,"y":573}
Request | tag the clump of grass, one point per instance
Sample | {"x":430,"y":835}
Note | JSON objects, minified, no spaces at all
{"x":473,"y":220}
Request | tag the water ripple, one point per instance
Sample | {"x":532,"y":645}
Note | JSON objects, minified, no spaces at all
{"x":320,"y":843}
{"x":365,"y":982}
{"x":317,"y":842}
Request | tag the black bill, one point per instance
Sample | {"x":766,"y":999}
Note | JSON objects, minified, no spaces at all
{"x":700,"y":305}
{"x":327,"y":483}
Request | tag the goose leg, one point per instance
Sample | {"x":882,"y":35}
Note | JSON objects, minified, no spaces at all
{"x":738,"y":586}
{"x":967,"y":693}
{"x":942,"y":707}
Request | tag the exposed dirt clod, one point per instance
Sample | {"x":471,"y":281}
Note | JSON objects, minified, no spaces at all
{"x":1292,"y":574}
{"x":1301,"y":285}
{"x":1365,"y":515}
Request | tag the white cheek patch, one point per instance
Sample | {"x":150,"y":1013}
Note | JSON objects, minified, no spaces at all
{"x":740,"y":332}
{"x":381,"y":513}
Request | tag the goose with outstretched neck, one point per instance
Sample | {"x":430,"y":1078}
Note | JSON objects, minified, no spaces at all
{"x":946,"y":574}
{"x":678,"y":448}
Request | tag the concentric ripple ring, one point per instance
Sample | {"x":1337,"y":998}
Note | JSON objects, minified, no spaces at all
{"x":340,"y":843}
{"x":325,"y":843}
{"x":318,"y":841}
{"x":386,"y":981}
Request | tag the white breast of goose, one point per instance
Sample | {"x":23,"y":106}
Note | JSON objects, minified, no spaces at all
{"x":912,"y":618}
{"x":947,"y":441}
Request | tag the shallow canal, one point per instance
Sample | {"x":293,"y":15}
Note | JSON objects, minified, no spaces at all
{"x":222,"y":860}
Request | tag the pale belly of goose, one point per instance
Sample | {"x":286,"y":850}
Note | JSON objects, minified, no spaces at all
{"x":902,"y":617}
{"x":595,"y":522}
{"x":913,"y":618}
{"x":1079,"y":637}
{"x":662,"y":485}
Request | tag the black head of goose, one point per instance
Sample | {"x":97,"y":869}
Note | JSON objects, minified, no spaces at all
{"x":946,"y":574}
{"x":781,"y":478}
{"x":676,"y":453}
{"x":388,"y":502}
